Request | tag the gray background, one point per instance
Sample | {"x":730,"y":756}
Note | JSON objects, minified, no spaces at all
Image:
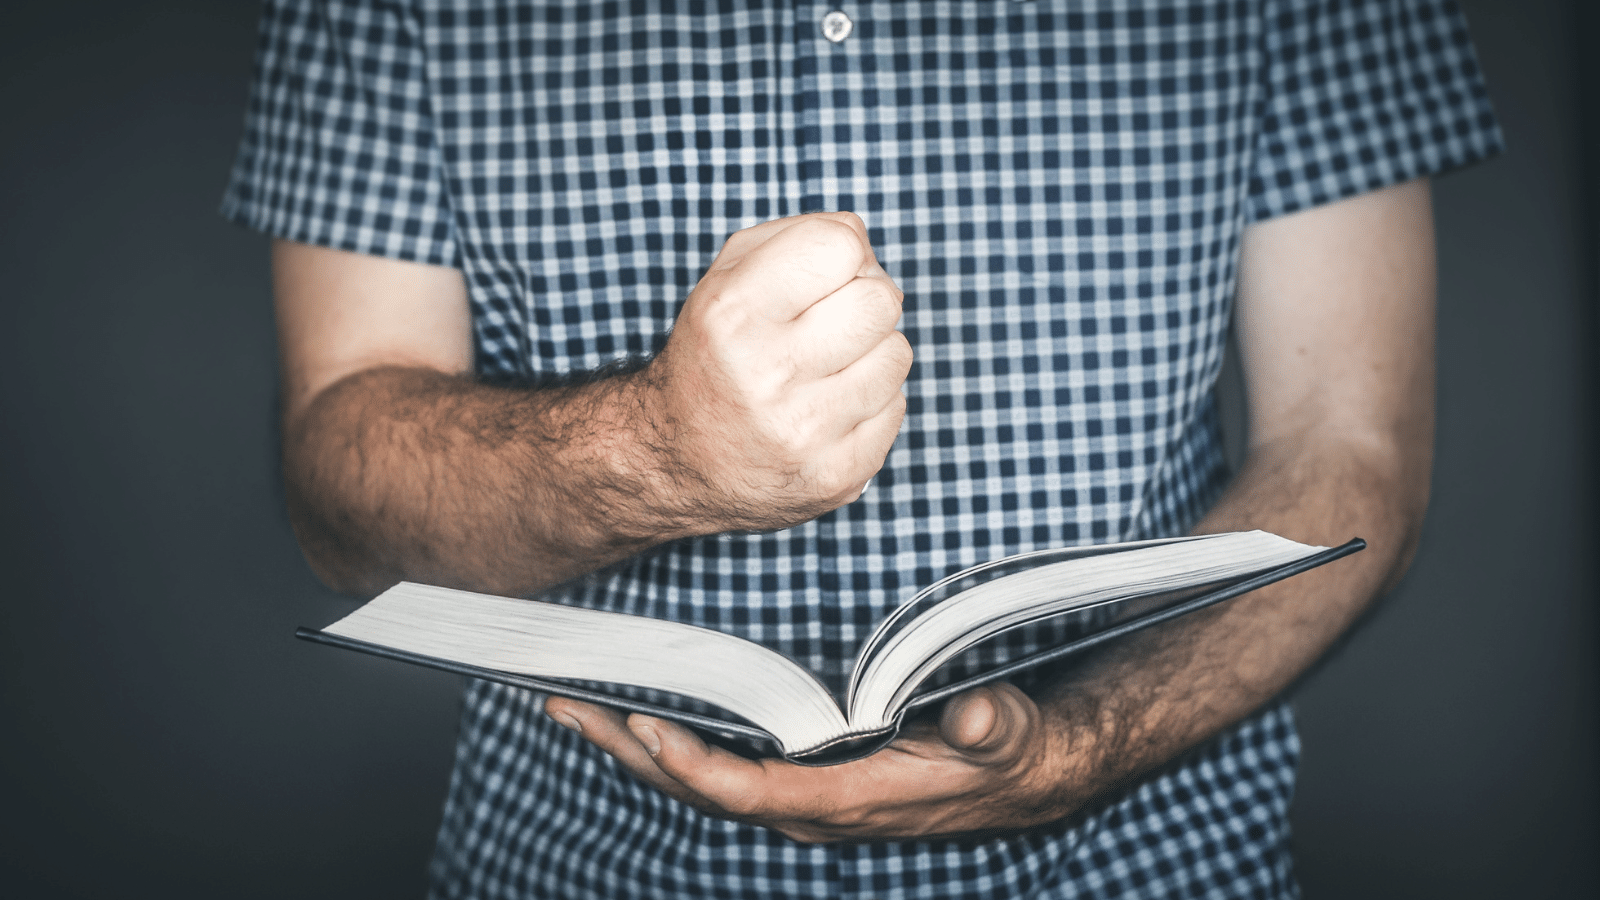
{"x":165,"y":736}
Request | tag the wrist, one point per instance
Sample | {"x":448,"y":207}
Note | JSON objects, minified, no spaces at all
{"x":669,"y":496}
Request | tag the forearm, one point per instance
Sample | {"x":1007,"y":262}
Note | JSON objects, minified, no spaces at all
{"x":775,"y":399}
{"x":1334,"y":310}
{"x":408,"y":473}
{"x":1155,"y":696}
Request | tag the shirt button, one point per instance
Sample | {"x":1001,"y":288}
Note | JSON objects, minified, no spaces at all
{"x":836,"y":26}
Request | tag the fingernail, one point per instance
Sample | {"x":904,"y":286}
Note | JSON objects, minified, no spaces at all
{"x":648,"y":737}
{"x":567,"y":721}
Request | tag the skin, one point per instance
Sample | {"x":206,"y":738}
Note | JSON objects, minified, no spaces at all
{"x":393,"y":460}
{"x":775,"y":399}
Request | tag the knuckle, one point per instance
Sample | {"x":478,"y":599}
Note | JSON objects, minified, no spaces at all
{"x":717,"y":289}
{"x":732,"y":321}
{"x":712,"y":341}
{"x":836,"y":240}
{"x":892,"y":360}
{"x":882,"y":297}
{"x":743,"y":235}
{"x":900,"y":352}
{"x":846,"y":217}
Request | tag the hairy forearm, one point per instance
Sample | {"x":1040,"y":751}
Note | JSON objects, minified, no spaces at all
{"x":409,"y":473}
{"x":1153,"y":697}
{"x":775,"y":399}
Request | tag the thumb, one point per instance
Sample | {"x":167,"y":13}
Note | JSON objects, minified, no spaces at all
{"x":987,"y":719}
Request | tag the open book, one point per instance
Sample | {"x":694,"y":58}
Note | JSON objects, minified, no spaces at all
{"x":782,"y":707}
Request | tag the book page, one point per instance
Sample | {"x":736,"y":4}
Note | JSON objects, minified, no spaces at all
{"x":532,"y":637}
{"x":901,"y":662}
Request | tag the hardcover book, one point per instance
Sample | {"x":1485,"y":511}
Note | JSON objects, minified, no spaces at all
{"x":777,"y":707}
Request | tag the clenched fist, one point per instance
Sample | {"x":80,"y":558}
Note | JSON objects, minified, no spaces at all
{"x":777,"y":395}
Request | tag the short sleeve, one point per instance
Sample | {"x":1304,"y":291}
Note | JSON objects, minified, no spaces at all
{"x":1362,"y":94}
{"x":338,"y":147}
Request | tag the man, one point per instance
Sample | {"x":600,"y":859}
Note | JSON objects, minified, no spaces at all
{"x":1012,"y":346}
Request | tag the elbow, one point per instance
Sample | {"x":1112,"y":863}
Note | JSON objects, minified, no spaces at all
{"x":1398,"y":475}
{"x":335,"y":518}
{"x":1353,"y":479}
{"x":336,"y":555}
{"x":332,"y":521}
{"x":1409,"y":539}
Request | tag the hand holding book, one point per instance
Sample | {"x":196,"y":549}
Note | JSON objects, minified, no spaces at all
{"x":987,"y":764}
{"x":995,"y":762}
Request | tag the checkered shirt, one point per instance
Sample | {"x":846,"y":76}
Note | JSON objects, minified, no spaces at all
{"x":1059,"y":188}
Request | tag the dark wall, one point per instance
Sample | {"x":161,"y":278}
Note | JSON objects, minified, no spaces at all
{"x":1450,"y":748}
{"x":164,"y":735}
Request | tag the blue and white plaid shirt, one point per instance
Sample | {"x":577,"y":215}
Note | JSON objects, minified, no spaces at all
{"x":1059,"y":188}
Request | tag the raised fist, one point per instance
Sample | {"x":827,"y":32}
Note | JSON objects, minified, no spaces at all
{"x":777,"y":395}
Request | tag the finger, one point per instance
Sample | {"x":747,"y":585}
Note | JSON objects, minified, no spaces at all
{"x":607,"y":729}
{"x":603,"y":727}
{"x":988,"y":721}
{"x":860,"y":452}
{"x":727,"y":782}
{"x":797,"y":267}
{"x":845,"y":325}
{"x":870,"y":267}
{"x":968,"y":719}
{"x":866,"y":387}
{"x":746,"y":789}
{"x":743,"y":241}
